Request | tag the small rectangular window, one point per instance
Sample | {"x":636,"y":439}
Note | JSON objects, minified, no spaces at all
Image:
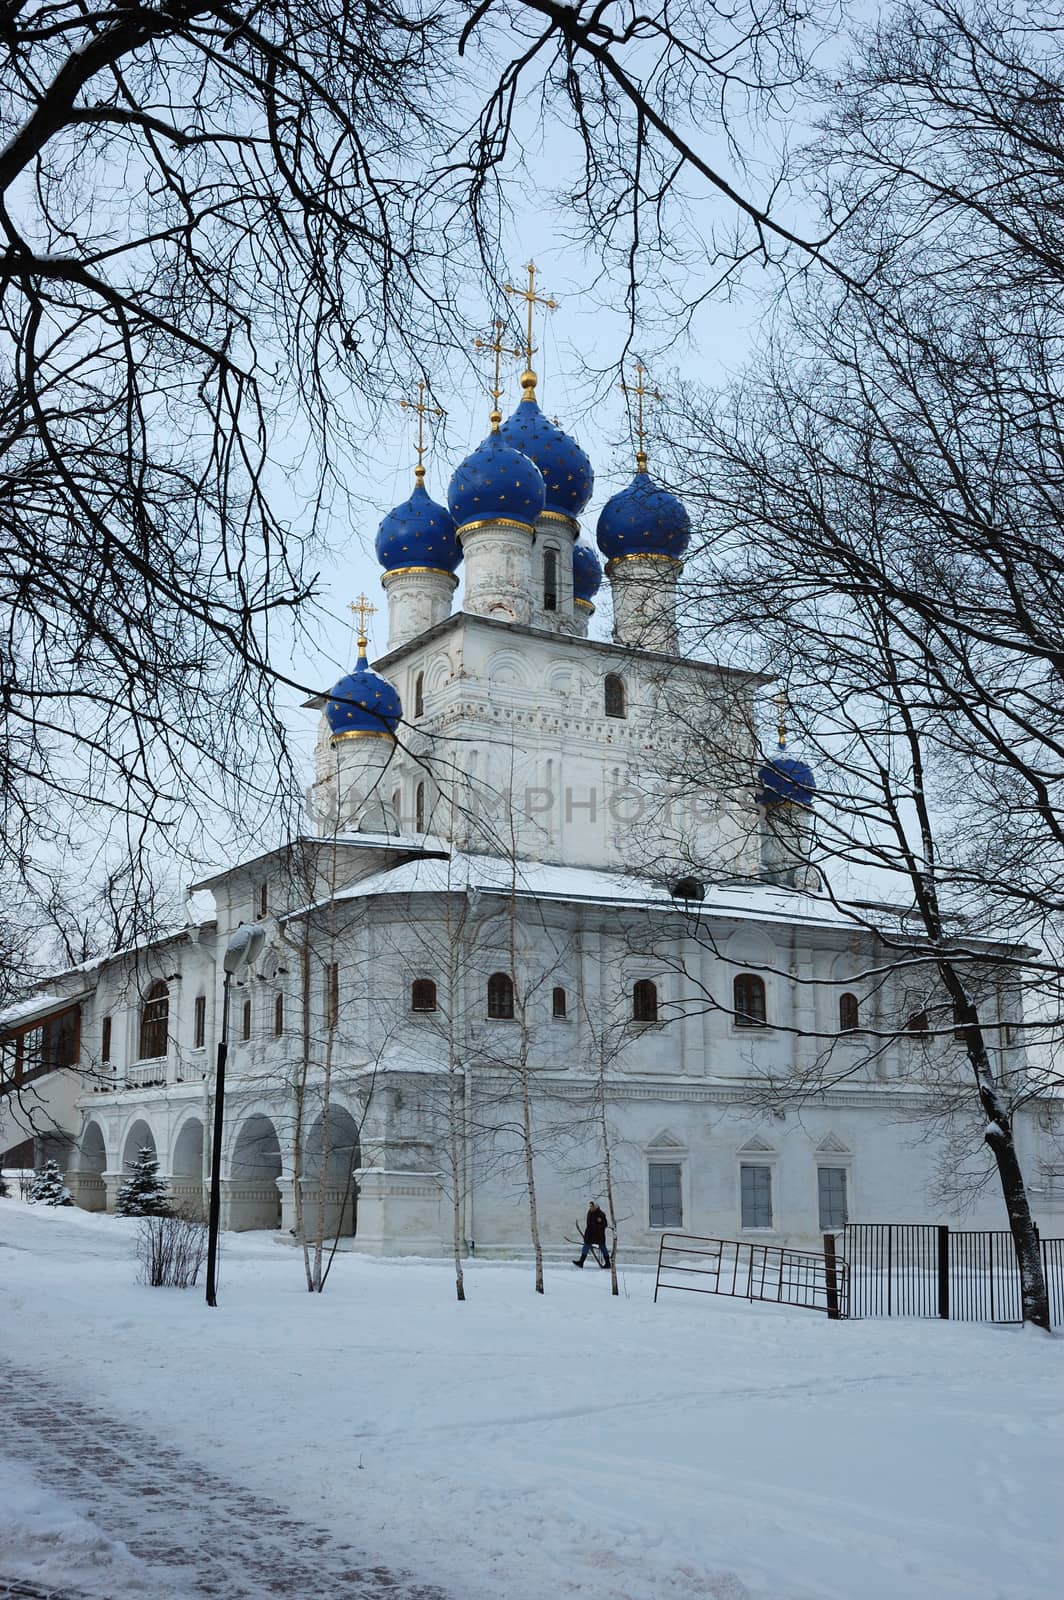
{"x":278,"y":1015}
{"x":245,"y":1032}
{"x":199,"y":1022}
{"x":756,"y":1196}
{"x":831,"y":1186}
{"x":263,"y":899}
{"x":666,"y":1194}
{"x":332,"y":995}
{"x":105,"y":1040}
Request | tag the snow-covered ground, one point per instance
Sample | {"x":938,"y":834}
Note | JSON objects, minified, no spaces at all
{"x":533,"y":1448}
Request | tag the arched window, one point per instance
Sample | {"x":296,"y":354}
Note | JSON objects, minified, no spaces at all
{"x":558,"y":1003}
{"x":419,"y":695}
{"x":748,"y":999}
{"x":550,"y":580}
{"x":500,"y":995}
{"x":423,"y":995}
{"x":917,"y":1023}
{"x":154,"y":1021}
{"x":419,"y":808}
{"x":278,"y":1015}
{"x":245,"y":1020}
{"x":848,"y":1013}
{"x":199,"y":1022}
{"x":613,"y":690}
{"x":645,"y":1001}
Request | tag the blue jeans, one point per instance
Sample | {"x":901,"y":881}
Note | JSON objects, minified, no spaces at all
{"x":586,"y":1251}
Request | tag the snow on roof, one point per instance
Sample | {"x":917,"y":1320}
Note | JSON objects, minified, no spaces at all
{"x":403,"y":843}
{"x":497,"y":875}
{"x":24,"y":1014}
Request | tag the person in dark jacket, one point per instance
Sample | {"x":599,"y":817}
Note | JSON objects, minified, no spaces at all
{"x":594,"y":1234}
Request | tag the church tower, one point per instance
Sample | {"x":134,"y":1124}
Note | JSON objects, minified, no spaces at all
{"x":418,"y":548}
{"x":355,"y":747}
{"x":643,"y":533}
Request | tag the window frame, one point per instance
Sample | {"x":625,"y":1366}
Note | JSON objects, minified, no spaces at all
{"x":613,"y":685}
{"x":245,"y":1020}
{"x":199,"y":1022}
{"x":755,"y":1163}
{"x":332,"y":995}
{"x":500,"y":984}
{"x":419,"y":695}
{"x":263,"y":899}
{"x":744,"y":1016}
{"x":278,"y":1014}
{"x":426,"y":985}
{"x":646,"y":1003}
{"x":550,"y":578}
{"x":419,"y":808}
{"x":664,"y":1161}
{"x":559,"y":1004}
{"x":846,"y":1001}
{"x":839,"y":1169}
{"x":106,"y":1037}
{"x":148,"y":1031}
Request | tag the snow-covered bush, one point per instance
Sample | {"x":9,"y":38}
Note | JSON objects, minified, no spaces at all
{"x":171,"y":1250}
{"x":49,"y":1188}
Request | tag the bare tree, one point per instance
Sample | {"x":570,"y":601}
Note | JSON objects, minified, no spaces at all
{"x":880,"y":502}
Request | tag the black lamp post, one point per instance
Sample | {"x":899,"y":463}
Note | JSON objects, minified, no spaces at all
{"x":241,"y":951}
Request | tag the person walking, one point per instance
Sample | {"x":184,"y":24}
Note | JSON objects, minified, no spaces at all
{"x":594,"y":1235}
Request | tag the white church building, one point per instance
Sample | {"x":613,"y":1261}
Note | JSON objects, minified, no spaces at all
{"x":515,"y":924}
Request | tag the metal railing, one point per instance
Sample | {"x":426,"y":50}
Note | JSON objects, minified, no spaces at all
{"x":744,"y":1270}
{"x":906,"y":1269}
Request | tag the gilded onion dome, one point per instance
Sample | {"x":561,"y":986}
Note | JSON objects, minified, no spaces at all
{"x":587,"y":573}
{"x":496,"y":483}
{"x":363,"y":704}
{"x":419,"y":533}
{"x":566,"y":470}
{"x":643,"y":519}
{"x":785,"y":780}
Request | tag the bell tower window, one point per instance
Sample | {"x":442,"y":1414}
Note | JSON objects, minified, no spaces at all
{"x":613,"y":694}
{"x":550,"y":580}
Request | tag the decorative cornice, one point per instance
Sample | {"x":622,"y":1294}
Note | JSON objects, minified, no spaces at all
{"x":360,"y":733}
{"x":401,"y":572}
{"x":616,"y":562}
{"x":495,"y":522}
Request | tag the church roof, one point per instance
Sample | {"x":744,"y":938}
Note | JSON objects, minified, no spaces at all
{"x":540,"y":880}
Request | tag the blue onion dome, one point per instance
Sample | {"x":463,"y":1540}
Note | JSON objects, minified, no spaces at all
{"x":785,"y":780}
{"x":587,"y":573}
{"x":495,"y":483}
{"x":363,"y":704}
{"x":643,"y":520}
{"x":566,"y":469}
{"x":419,"y":533}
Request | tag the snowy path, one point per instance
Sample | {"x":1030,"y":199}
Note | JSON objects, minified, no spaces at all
{"x":192,"y":1535}
{"x":515,"y":1447}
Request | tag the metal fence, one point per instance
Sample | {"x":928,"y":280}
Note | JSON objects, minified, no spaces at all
{"x":747,"y":1271}
{"x":905,"y":1269}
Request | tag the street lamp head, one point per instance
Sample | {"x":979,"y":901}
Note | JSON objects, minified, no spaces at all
{"x":244,"y":947}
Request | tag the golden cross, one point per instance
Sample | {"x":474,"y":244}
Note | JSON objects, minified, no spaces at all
{"x":532,"y":299}
{"x":423,"y":411}
{"x":500,"y":350}
{"x":641,"y":392}
{"x":780,"y":702}
{"x":363,"y":610}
